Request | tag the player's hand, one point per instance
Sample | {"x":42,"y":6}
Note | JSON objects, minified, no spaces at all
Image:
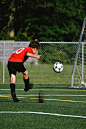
{"x":38,"y":56}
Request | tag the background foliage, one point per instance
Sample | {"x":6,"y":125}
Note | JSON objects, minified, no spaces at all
{"x":45,"y":20}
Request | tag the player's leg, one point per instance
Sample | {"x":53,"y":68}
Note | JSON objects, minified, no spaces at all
{"x":26,"y":81}
{"x":12,"y":73}
{"x":12,"y":83}
{"x":12,"y":87}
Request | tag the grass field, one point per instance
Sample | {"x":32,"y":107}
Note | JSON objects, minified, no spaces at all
{"x":41,"y":74}
{"x":63,"y":108}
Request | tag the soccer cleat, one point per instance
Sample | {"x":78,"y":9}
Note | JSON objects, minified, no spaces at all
{"x":15,"y":99}
{"x":30,"y":86}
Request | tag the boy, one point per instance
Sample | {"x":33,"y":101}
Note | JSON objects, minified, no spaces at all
{"x":15,"y":64}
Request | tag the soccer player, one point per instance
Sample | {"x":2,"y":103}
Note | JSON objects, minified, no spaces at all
{"x":16,"y":64}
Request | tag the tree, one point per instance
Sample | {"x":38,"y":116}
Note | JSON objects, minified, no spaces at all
{"x":46,"y":20}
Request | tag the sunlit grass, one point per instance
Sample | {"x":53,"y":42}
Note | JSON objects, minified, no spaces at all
{"x":43,"y":74}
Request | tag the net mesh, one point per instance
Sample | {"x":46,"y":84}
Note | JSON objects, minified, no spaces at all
{"x":79,"y":77}
{"x":41,"y":71}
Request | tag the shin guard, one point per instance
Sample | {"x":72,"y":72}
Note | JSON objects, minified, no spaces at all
{"x":12,"y":87}
{"x":26,"y":81}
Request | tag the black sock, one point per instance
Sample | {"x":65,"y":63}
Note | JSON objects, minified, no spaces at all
{"x":26,"y":81}
{"x":12,"y":87}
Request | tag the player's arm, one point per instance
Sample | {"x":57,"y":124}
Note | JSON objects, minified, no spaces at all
{"x":32,"y":55}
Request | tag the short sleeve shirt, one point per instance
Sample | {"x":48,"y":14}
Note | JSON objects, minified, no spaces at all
{"x":20,"y":54}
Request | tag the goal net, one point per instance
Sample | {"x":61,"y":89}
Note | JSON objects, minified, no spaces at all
{"x":78,"y":76}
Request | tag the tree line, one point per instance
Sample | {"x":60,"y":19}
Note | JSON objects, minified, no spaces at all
{"x":45,"y":20}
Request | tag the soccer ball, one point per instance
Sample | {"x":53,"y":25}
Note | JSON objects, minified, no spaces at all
{"x":58,"y":67}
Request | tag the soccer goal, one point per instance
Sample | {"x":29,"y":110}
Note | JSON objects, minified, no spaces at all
{"x":78,"y":76}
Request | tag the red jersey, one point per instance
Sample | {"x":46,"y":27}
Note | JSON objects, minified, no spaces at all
{"x":20,"y":54}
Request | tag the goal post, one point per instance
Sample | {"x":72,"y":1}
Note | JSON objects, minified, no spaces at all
{"x":78,"y":76}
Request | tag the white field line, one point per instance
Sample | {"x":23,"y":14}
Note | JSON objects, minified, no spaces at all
{"x":44,"y":95}
{"x":43,"y":113}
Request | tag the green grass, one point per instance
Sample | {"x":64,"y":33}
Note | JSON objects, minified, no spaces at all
{"x":57,"y":99}
{"x":42,"y":74}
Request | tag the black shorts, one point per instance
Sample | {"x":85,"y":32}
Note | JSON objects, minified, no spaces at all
{"x":14,"y":67}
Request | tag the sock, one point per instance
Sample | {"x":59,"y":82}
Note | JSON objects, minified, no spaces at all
{"x":12,"y":87}
{"x":26,"y":81}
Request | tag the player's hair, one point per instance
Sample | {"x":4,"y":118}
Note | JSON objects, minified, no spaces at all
{"x":34,"y":44}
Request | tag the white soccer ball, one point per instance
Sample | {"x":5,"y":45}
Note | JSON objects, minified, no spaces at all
{"x":58,"y":67}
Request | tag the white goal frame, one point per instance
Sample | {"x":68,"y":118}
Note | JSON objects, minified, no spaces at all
{"x":83,"y":84}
